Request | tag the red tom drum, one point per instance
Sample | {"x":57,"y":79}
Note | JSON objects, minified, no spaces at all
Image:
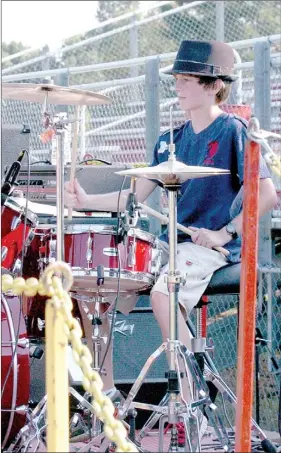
{"x":17,"y":226}
{"x":90,"y":246}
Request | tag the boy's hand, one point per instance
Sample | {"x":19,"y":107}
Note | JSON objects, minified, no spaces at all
{"x":74,"y":195}
{"x":209,"y":238}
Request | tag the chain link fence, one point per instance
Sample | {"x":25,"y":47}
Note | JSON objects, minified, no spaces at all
{"x":157,"y":31}
{"x":222,"y":331}
{"x":118,"y":132}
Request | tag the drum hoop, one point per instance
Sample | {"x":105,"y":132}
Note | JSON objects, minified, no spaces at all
{"x":87,"y":228}
{"x":145,"y":277}
{"x":101,"y":229}
{"x":142,"y":234}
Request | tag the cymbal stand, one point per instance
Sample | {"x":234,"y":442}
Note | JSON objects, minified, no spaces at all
{"x":57,"y":127}
{"x":174,"y":408}
{"x":96,"y":338}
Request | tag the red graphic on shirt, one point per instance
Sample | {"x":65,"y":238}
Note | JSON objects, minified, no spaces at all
{"x":212,"y":151}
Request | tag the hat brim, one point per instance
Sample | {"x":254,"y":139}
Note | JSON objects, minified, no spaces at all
{"x":224,"y":77}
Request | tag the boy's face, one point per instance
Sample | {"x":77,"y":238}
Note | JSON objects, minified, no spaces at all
{"x":191,"y":94}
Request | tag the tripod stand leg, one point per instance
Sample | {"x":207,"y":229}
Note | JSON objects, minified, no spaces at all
{"x":192,"y":440}
{"x":204,"y":402}
{"x":229,"y":396}
{"x":163,"y":419}
{"x":152,"y":420}
{"x":135,"y":388}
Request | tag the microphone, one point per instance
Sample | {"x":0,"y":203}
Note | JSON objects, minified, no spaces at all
{"x":10,"y":178}
{"x":131,"y":210}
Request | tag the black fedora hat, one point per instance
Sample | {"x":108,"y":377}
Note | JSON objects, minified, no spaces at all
{"x":206,"y":58}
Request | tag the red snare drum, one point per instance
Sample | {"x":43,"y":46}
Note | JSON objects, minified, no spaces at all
{"x":87,"y":246}
{"x":14,"y":231}
{"x":16,"y":391}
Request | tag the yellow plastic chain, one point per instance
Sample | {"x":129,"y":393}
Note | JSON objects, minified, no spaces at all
{"x":52,"y":286}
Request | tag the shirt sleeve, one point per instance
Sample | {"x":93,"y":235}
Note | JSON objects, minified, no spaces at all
{"x":239,"y":145}
{"x":155,"y":158}
{"x":240,"y":138}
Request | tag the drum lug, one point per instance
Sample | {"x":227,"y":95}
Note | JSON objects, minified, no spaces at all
{"x":156,"y":261}
{"x":17,"y":267}
{"x":15,"y":223}
{"x":89,"y":254}
{"x":53,"y":250}
{"x":23,"y":343}
{"x":29,"y":238}
{"x":132,"y":254}
{"x":4,"y":252}
{"x":40,"y":324}
{"x":22,"y":410}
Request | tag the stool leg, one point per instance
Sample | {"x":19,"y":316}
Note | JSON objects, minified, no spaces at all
{"x":199,"y":341}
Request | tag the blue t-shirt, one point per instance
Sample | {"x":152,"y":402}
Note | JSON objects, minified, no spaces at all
{"x":210,"y":202}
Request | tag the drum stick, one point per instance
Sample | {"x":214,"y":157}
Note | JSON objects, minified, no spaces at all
{"x":180,"y":227}
{"x":74,"y":152}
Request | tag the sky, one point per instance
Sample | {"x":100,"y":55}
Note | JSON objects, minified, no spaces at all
{"x":36,"y":23}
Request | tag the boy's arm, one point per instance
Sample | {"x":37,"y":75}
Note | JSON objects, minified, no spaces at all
{"x":210,"y":239}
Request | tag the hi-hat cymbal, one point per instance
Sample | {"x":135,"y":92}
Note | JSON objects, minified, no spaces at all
{"x":56,"y":94}
{"x":173,"y":172}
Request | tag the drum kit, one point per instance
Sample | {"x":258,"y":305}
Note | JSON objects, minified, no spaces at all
{"x":105,"y":259}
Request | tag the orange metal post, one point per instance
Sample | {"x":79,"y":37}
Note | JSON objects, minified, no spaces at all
{"x":248,"y":288}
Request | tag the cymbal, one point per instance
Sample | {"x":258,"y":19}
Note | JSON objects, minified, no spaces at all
{"x":59,"y":95}
{"x":173,"y":172}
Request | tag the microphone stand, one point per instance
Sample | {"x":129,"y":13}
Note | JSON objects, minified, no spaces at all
{"x":11,"y":177}
{"x":131,"y":210}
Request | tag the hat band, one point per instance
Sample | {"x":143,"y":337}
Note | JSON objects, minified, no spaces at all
{"x":195,"y":66}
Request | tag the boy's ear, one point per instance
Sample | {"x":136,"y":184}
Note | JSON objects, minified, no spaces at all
{"x":219,"y":85}
{"x":216,"y":87}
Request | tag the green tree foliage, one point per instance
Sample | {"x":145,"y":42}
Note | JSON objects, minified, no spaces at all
{"x":242,"y":20}
{"x":14,"y":47}
{"x":10,"y":49}
{"x":107,"y":10}
{"x":111,"y":48}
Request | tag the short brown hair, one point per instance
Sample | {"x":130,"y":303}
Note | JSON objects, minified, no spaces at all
{"x":222,"y":94}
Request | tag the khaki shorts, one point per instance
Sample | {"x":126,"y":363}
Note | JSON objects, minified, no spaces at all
{"x":196,"y":264}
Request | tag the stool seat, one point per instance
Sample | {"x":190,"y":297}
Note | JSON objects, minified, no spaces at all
{"x":225,"y":280}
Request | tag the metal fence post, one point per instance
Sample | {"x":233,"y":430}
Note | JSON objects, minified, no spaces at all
{"x":62,"y":80}
{"x":220,"y":20}
{"x":152,"y":127}
{"x":262,"y":111}
{"x":262,"y":86}
{"x":46,"y":62}
{"x":134,"y":48}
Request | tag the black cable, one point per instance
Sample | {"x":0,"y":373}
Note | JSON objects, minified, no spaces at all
{"x":20,"y":297}
{"x":96,"y":160}
{"x":114,"y":309}
{"x":41,"y":162}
